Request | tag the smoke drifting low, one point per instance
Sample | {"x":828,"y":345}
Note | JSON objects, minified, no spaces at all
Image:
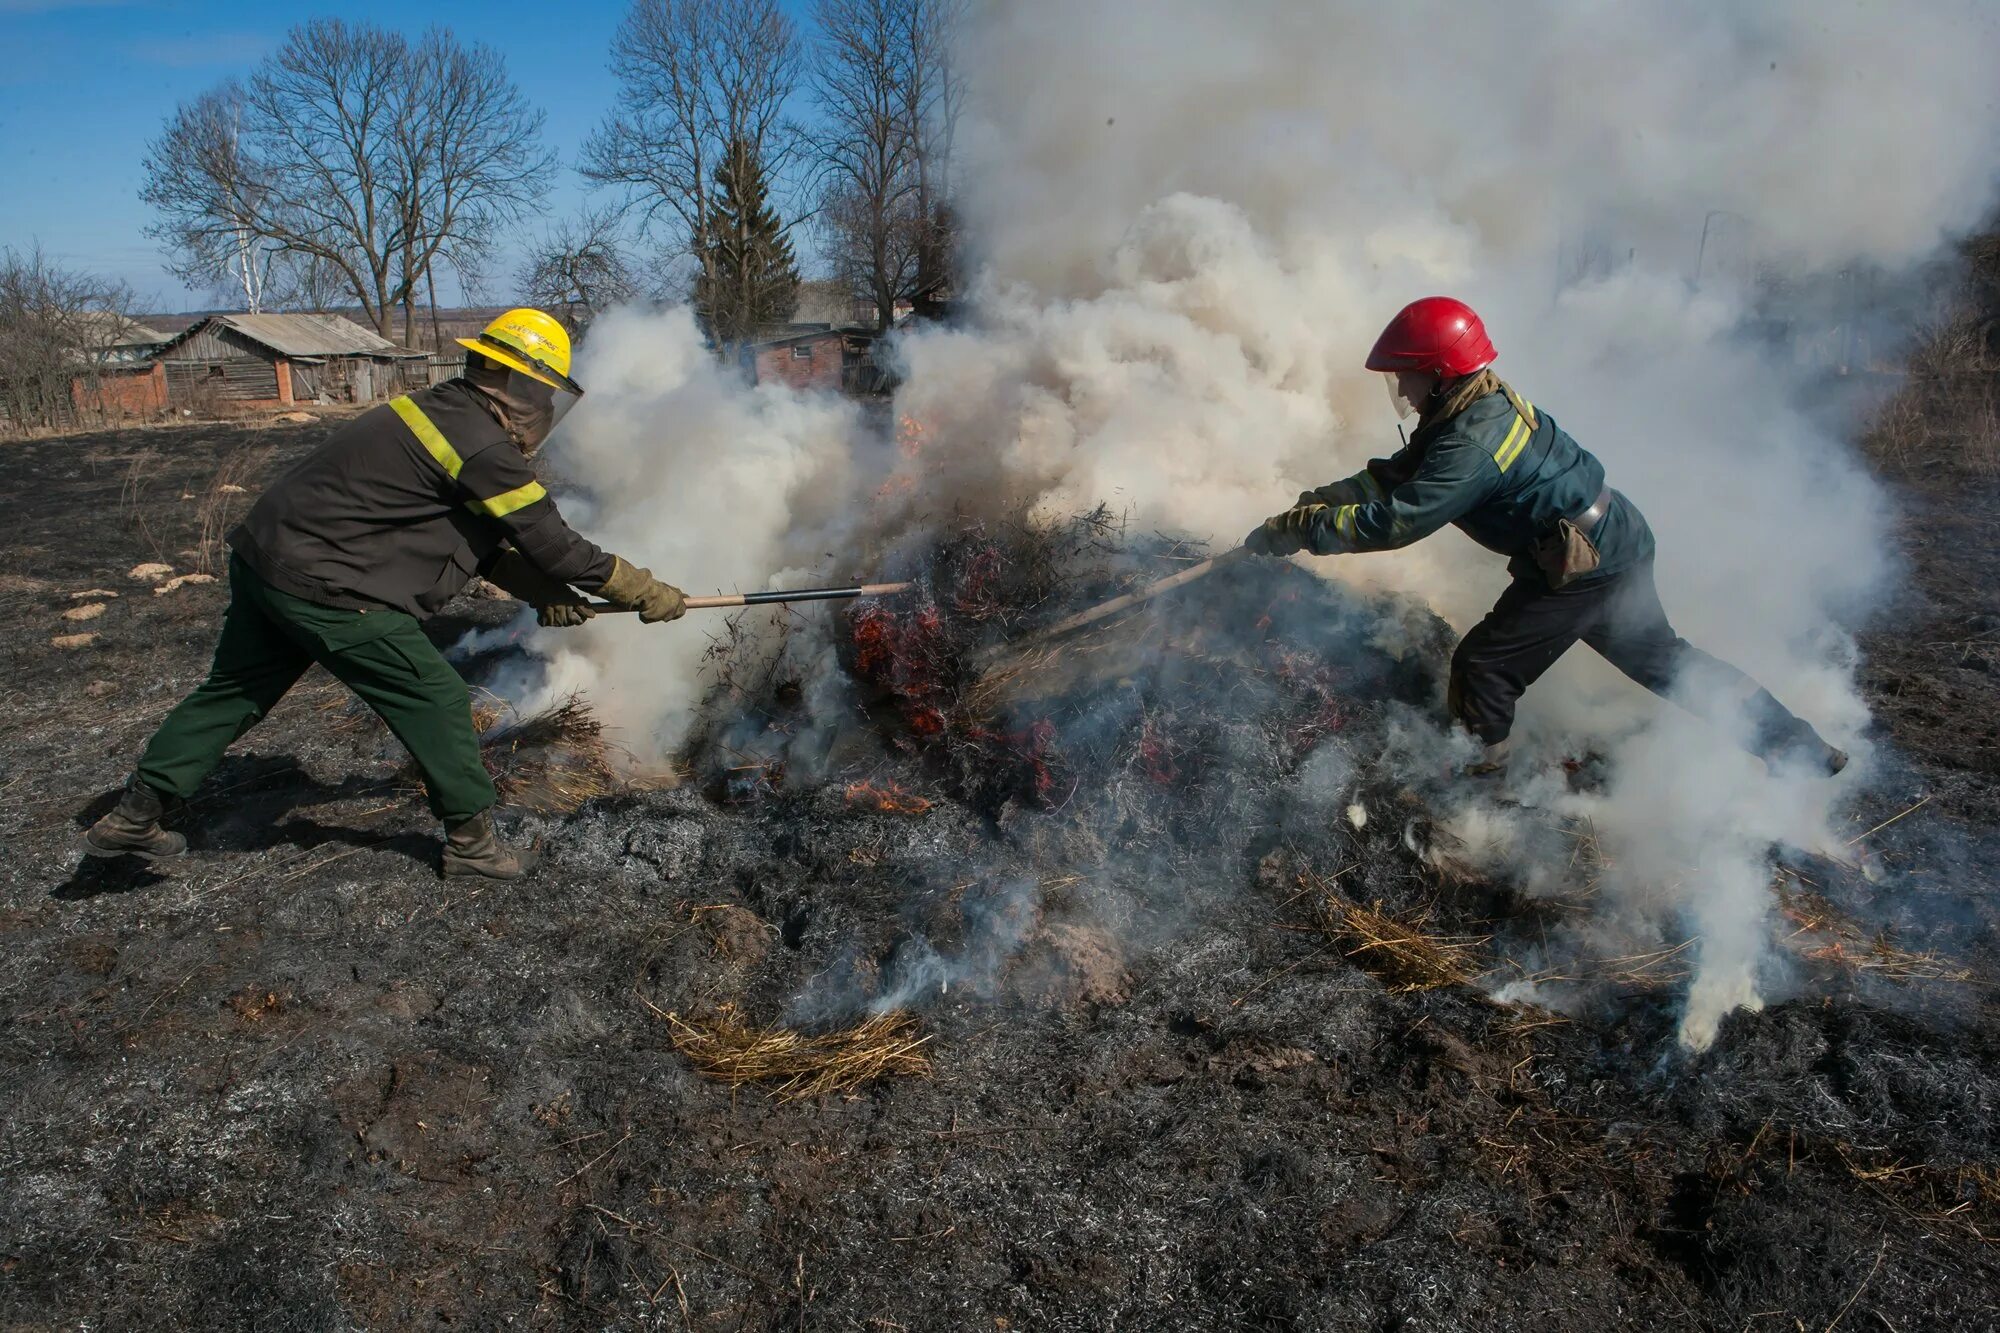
{"x":1190,"y":220}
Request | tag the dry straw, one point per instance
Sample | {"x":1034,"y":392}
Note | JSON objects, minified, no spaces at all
{"x":1826,"y":935}
{"x":1402,"y":952}
{"x":800,"y":1065}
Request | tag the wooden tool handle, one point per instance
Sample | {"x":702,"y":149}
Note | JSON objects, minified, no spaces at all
{"x":771,"y":598}
{"x":1138,"y":595}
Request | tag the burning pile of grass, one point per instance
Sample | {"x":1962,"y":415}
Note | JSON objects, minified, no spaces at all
{"x":801,"y":1065}
{"x":1823,"y":934}
{"x":1404,"y":953}
{"x":1163,"y":696}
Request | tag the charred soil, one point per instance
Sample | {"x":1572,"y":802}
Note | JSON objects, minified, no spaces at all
{"x":1168,"y":1081}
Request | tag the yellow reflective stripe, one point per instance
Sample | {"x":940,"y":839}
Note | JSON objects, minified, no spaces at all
{"x":506,"y":503}
{"x":1511,"y":447}
{"x":447,"y":458}
{"x":1343,"y":521}
{"x":428,"y":435}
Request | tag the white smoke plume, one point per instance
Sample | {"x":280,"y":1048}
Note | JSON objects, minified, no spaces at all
{"x":713,"y":484}
{"x":1189,"y":221}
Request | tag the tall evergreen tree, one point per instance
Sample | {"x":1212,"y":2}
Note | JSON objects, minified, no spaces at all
{"x":750,"y":281}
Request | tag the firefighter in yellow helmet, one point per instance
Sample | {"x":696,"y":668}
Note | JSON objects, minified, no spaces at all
{"x":373,"y":532}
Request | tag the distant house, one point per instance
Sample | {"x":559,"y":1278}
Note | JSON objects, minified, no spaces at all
{"x":117,"y":378}
{"x":119,"y":340}
{"x":818,"y":356}
{"x":279,"y":360}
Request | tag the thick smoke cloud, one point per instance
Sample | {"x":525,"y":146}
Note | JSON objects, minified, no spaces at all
{"x":1189,"y":220}
{"x":708,"y":482}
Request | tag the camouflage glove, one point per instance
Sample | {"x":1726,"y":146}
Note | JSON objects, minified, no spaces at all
{"x":1287,"y":533}
{"x":556,"y":604}
{"x":635,"y":589}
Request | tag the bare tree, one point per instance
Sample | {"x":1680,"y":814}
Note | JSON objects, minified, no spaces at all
{"x":351,"y":151}
{"x":580,"y":270}
{"x":470,"y":151}
{"x":694,"y":78}
{"x":889,"y":95}
{"x":57,"y":327}
{"x":933,"y":100}
{"x":225,"y":249}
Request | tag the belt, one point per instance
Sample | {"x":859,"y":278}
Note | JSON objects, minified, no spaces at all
{"x":1590,"y":517}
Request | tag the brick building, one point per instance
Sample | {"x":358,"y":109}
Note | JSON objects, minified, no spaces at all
{"x":828,"y":357}
{"x":126,"y":391}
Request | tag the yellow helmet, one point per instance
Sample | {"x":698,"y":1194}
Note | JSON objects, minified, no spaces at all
{"x":530,"y":342}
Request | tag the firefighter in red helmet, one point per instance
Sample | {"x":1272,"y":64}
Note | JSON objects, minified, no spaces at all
{"x":1581,"y":554}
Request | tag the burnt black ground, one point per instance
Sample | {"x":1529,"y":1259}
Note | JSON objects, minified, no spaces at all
{"x":300,"y":1082}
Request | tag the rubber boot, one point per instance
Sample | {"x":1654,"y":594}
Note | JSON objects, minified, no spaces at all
{"x":1492,"y":762}
{"x":471,"y":847}
{"x":133,"y":828}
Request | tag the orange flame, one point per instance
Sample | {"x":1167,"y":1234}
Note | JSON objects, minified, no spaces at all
{"x":910,"y":436}
{"x":892,"y":799}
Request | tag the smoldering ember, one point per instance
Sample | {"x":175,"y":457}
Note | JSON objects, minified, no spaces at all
{"x":747,"y":775}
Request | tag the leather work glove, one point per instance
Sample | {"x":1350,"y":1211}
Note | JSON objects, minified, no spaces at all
{"x":636,"y":589}
{"x":557,"y":605}
{"x":1286,"y":533}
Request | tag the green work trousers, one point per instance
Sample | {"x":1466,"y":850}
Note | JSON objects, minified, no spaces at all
{"x":268,"y":640}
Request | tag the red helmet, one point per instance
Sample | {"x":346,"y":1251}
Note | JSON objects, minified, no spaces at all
{"x":1436,"y":333}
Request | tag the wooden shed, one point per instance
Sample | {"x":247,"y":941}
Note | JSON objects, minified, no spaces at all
{"x":278,"y":360}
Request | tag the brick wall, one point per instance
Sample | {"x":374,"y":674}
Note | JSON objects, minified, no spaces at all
{"x":813,"y":363}
{"x":136,"y":394}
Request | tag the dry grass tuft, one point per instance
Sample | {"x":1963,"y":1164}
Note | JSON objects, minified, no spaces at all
{"x":1824,"y":934}
{"x":1639,"y":971}
{"x":552,"y":761}
{"x":223,"y":502}
{"x":1947,"y":412}
{"x":800,"y":1065}
{"x":1404,"y":953}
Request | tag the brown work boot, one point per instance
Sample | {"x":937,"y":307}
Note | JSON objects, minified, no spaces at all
{"x":133,"y":828}
{"x":1492,"y":761}
{"x":471,"y":847}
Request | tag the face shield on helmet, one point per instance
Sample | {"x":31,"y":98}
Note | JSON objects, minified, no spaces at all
{"x":530,"y":408}
{"x":1399,"y":397}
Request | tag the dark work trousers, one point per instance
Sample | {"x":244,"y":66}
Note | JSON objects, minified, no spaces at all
{"x":268,"y":640}
{"x":1621,"y":617}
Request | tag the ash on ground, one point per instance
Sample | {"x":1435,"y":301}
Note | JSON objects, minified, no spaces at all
{"x":1138,"y":889}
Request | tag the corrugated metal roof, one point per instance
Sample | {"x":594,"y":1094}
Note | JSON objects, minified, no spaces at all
{"x":310,"y":335}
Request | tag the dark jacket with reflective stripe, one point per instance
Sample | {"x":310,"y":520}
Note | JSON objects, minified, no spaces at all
{"x":404,"y":504}
{"x":1503,"y":480}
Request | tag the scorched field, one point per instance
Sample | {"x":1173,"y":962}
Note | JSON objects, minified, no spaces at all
{"x":1150,"y":993}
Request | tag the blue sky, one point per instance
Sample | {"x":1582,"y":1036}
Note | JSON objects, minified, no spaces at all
{"x":85,"y":84}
